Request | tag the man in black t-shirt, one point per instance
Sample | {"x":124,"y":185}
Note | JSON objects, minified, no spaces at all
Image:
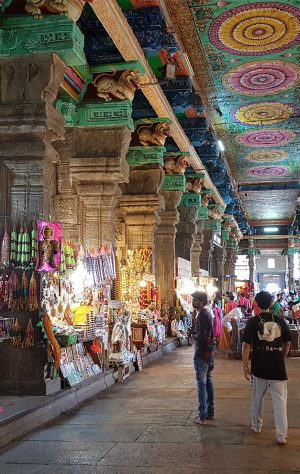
{"x":270,"y":339}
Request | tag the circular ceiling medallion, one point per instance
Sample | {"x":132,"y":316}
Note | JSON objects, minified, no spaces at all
{"x":260,"y":78}
{"x":266,"y":156}
{"x":266,"y":138}
{"x":264,"y":113}
{"x":256,"y":29}
{"x":268,"y":171}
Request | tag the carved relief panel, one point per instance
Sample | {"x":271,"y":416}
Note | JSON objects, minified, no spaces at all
{"x":25,"y":194}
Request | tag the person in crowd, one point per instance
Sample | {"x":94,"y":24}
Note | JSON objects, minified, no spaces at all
{"x":204,"y":357}
{"x":270,"y":338}
{"x":234,"y":315}
{"x":177,"y":328}
{"x":243,"y":301}
{"x":217,"y":320}
{"x":231,"y":304}
{"x":275,"y":307}
{"x":255,"y":308}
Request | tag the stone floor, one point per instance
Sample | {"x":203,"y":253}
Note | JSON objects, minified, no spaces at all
{"x":146,"y":426}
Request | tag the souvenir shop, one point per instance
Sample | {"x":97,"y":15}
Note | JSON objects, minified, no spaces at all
{"x":69,"y":313}
{"x":138,"y":288}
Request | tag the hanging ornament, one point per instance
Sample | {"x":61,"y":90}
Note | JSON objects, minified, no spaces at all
{"x":6,"y":289}
{"x":13,"y":245}
{"x":15,"y":293}
{"x":34,"y":245}
{"x":25,"y":250}
{"x":16,"y":333}
{"x":4,"y":261}
{"x":33,"y":295}
{"x":24,"y":293}
{"x":63,"y":267}
{"x":19,"y":248}
{"x":29,"y":336}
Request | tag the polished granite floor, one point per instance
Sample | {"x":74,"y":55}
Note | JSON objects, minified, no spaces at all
{"x":146,"y":426}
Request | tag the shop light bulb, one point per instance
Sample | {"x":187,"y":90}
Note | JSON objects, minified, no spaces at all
{"x":221,"y":145}
{"x":271,"y":229}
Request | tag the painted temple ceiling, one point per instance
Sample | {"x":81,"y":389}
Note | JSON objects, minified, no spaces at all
{"x":250,"y":57}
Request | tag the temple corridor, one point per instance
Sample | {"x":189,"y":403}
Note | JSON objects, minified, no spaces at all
{"x":146,"y":426}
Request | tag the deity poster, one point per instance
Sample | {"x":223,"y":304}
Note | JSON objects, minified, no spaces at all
{"x":49,"y":246}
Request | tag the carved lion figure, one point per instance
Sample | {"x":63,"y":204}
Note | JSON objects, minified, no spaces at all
{"x":177,"y":165}
{"x":205,"y":200}
{"x":123,"y":88}
{"x":33,"y":7}
{"x":156,"y":137}
{"x":194,"y":185}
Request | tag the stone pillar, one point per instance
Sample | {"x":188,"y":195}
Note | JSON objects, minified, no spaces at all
{"x":252,"y":269}
{"x":207,"y":251}
{"x":186,"y":229}
{"x":92,"y":165}
{"x":220,"y":254}
{"x":165,"y":259}
{"x":139,"y":206}
{"x":230,"y":267}
{"x":290,"y":272}
{"x":197,"y":248}
{"x":29,"y":124}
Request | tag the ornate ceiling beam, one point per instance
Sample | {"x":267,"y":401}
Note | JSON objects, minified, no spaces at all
{"x":269,"y":237}
{"x":116,"y":25}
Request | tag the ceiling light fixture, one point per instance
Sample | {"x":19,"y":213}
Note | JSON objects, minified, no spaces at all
{"x":221,"y":145}
{"x":271,"y":229}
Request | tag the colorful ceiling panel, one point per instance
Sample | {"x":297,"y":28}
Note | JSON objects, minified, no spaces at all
{"x":252,"y":52}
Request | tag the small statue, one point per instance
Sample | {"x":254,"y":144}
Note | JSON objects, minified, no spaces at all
{"x":110,"y":88}
{"x":33,"y":7}
{"x":175,"y":165}
{"x":205,"y":200}
{"x":194,"y":185}
{"x":154,"y":137}
{"x":48,"y":250}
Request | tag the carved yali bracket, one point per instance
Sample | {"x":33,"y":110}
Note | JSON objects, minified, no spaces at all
{"x":216,"y":211}
{"x":115,"y":86}
{"x":176,"y":163}
{"x":152,"y":132}
{"x":206,"y":197}
{"x":71,"y":8}
{"x":194,"y":185}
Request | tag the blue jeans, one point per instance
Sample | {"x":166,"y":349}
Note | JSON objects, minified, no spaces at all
{"x":205,"y":387}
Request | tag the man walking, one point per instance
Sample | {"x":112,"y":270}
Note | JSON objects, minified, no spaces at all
{"x":271,"y":338}
{"x":204,"y":357}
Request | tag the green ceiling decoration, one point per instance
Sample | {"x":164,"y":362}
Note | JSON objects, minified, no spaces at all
{"x":253,"y":57}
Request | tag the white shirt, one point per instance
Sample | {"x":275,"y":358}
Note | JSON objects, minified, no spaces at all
{"x":177,"y":326}
{"x":235,"y":313}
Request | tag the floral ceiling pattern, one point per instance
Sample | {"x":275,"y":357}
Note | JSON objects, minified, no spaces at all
{"x":252,"y":50}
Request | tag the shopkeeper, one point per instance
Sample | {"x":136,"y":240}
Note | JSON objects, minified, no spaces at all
{"x":177,"y":328}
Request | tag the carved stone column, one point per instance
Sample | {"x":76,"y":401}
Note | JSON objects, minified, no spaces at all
{"x":290,"y":272}
{"x":140,"y":204}
{"x":197,"y":248}
{"x":165,"y":259}
{"x":231,"y":257}
{"x":186,"y":229}
{"x":252,"y":268}
{"x":29,"y":124}
{"x":92,"y":165}
{"x":207,"y":251}
{"x":220,"y":254}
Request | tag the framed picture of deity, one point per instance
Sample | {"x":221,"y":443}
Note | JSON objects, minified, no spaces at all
{"x":137,"y":334}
